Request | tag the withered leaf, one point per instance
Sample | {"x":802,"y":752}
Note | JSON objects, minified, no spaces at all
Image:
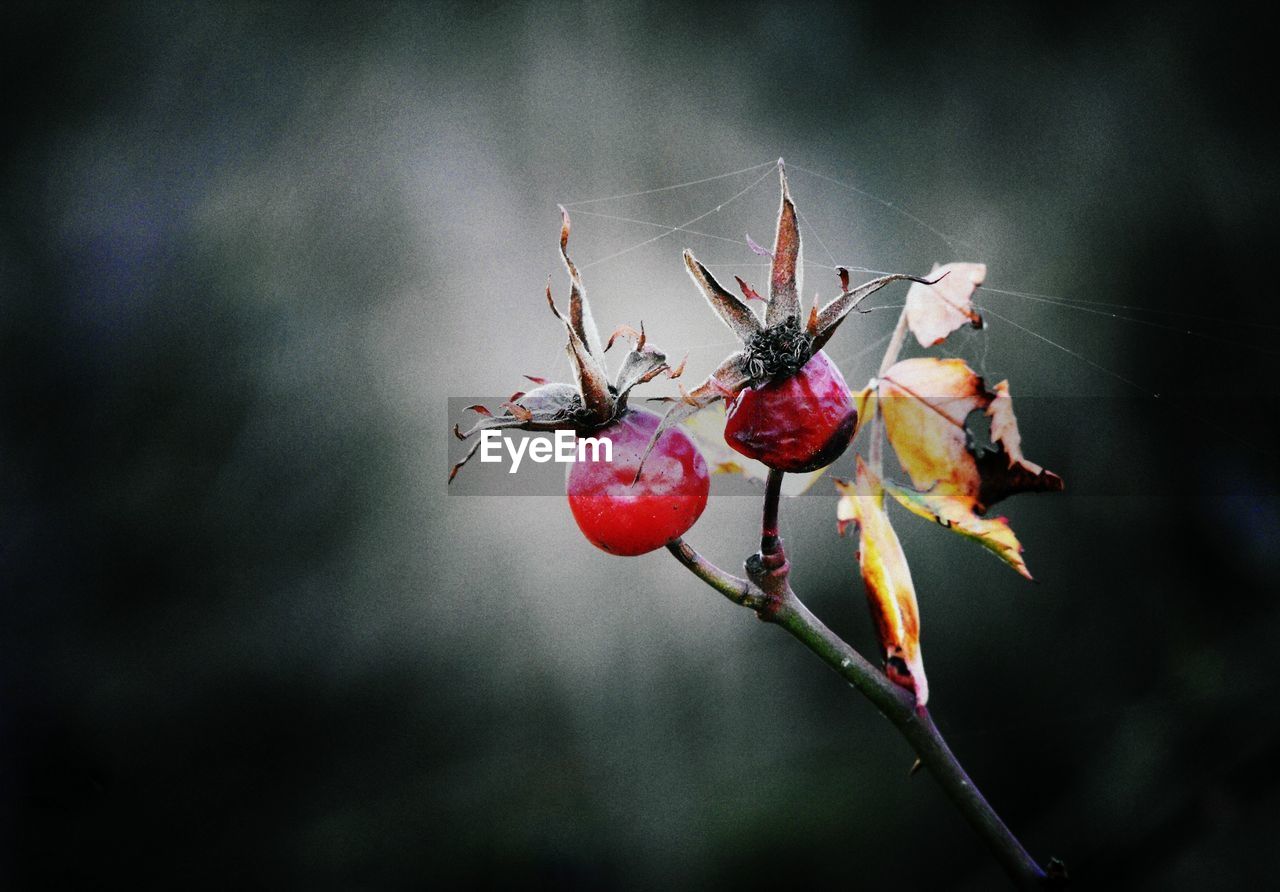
{"x":891,"y":594}
{"x":956,"y":513}
{"x":1004,"y":471}
{"x":925,"y":404}
{"x":865,"y":403}
{"x":934,"y":311}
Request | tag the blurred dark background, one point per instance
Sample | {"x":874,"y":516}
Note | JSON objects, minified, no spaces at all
{"x":248,"y":638}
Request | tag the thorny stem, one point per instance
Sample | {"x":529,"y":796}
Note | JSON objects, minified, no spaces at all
{"x":767,"y":592}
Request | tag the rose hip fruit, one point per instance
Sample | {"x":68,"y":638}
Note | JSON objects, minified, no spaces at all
{"x":796,"y":424}
{"x":791,"y":409}
{"x":629,"y":518}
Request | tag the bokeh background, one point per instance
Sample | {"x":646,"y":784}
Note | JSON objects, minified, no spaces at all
{"x":247,"y":636}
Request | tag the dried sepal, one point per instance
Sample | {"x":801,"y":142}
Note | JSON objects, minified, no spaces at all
{"x":729,"y":377}
{"x":758,"y":249}
{"x":496,"y":422}
{"x":547,"y":408}
{"x":555,"y":402}
{"x":735,"y":314}
{"x":747,"y":291}
{"x":926,"y":403}
{"x":523,"y":415}
{"x":957,"y":514}
{"x":453,"y":471}
{"x":780,"y":347}
{"x":840,"y":306}
{"x":891,"y":594}
{"x":579,"y":309}
{"x":626,"y":331}
{"x":643,"y":362}
{"x":593,"y":402}
{"x":639,"y":366}
{"x":787,"y":270}
{"x":588,"y":370}
{"x":811,"y":326}
{"x":935,"y":310}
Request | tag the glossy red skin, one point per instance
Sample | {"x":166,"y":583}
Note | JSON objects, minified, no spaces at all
{"x":626,"y":519}
{"x":798,"y":424}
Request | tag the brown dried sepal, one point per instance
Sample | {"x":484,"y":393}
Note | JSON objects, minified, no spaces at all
{"x":591,"y":401}
{"x":786,"y":273}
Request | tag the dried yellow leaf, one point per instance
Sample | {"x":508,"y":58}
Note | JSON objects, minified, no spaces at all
{"x":891,"y":594}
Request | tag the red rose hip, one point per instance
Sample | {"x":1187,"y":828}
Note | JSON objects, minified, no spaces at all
{"x":628,"y":518}
{"x":791,"y":409}
{"x":796,"y":424}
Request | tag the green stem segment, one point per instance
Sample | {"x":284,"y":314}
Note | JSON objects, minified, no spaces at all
{"x":768,"y":593}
